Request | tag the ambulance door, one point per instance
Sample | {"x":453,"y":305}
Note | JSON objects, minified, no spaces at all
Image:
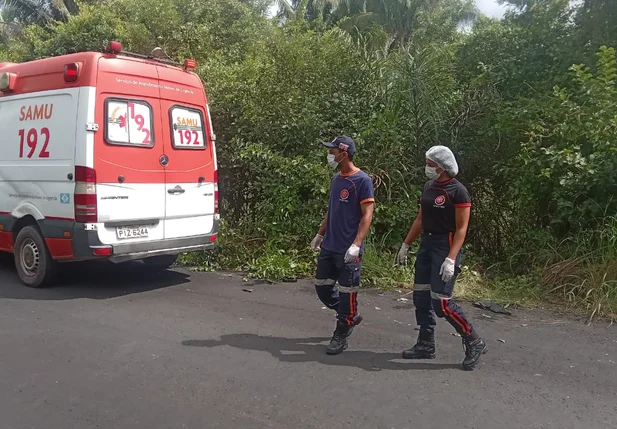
{"x":190,"y":174}
{"x":129,"y":154}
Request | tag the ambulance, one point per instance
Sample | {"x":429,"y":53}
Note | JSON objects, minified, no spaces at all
{"x":104,"y":155}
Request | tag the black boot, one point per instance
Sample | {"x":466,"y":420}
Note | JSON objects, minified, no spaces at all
{"x":474,"y":348}
{"x":424,"y":347}
{"x":339,"y":340}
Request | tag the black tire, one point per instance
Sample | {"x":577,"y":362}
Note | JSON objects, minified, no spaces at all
{"x":160,"y":262}
{"x":35,"y":266}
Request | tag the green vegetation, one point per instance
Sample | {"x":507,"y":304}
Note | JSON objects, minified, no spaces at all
{"x":528,"y":104}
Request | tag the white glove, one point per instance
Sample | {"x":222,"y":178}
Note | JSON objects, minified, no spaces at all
{"x":316,"y":243}
{"x":447,"y":270}
{"x":352,"y":253}
{"x":401,"y":258}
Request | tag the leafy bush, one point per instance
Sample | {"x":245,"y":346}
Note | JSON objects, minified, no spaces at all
{"x":572,"y":151}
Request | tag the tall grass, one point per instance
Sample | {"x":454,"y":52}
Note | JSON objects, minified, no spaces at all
{"x":583,"y":271}
{"x":580,"y":271}
{"x":379,"y":268}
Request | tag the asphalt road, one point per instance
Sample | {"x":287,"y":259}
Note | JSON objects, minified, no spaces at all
{"x":112,"y":347}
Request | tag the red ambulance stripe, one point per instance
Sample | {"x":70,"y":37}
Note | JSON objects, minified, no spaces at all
{"x":63,"y":219}
{"x":6,"y":241}
{"x":60,"y":248}
{"x":66,"y":219}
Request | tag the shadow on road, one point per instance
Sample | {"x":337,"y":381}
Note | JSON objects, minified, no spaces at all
{"x":91,"y":279}
{"x":300,"y":350}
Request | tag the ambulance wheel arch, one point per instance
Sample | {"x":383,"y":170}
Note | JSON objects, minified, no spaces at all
{"x":27,"y":209}
{"x":33,"y":261}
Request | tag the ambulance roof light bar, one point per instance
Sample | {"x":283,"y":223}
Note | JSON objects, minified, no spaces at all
{"x":115,"y":48}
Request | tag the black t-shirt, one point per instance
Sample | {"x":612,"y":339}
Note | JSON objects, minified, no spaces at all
{"x":438,"y":201}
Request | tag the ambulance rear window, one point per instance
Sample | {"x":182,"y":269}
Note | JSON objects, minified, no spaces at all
{"x":187,"y":127}
{"x":128,"y":122}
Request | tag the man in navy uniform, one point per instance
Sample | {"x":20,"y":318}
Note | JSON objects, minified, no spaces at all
{"x":341,"y":240}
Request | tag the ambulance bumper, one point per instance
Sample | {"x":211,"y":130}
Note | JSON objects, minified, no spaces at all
{"x":128,"y":252}
{"x":88,"y":246}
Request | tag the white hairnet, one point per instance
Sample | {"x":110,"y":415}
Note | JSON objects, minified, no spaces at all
{"x":443,"y":157}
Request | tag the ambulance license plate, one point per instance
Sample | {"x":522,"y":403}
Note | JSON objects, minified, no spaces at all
{"x":124,"y":232}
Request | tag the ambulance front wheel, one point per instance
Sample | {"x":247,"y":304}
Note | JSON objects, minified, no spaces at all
{"x":160,"y":262}
{"x":34,"y":263}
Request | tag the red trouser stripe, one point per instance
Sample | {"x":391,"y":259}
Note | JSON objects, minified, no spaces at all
{"x":352,"y":308}
{"x":454,"y":316}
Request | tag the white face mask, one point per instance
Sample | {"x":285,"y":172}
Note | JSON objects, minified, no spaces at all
{"x":431,"y":172}
{"x":332,"y":161}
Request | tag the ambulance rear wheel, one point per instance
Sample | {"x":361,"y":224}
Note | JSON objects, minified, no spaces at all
{"x":33,"y":262}
{"x":160,"y":262}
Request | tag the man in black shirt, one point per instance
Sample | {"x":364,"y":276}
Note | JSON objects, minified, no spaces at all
{"x":442,"y":221}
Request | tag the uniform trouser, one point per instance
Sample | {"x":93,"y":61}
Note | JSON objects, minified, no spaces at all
{"x":332,"y":269}
{"x":431,"y":295}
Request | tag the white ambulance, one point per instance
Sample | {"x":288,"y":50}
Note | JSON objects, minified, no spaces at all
{"x":104,"y":155}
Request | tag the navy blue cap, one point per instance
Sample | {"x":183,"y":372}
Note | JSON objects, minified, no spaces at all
{"x":343,"y":143}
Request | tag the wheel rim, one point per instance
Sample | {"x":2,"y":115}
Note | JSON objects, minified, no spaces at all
{"x":30,"y":258}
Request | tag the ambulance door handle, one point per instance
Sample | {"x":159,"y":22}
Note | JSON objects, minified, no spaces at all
{"x":176,"y":190}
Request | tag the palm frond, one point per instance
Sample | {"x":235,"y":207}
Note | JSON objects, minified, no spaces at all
{"x":37,"y":11}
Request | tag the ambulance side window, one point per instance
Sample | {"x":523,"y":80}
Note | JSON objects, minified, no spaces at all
{"x":187,"y":128}
{"x":128,"y":122}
